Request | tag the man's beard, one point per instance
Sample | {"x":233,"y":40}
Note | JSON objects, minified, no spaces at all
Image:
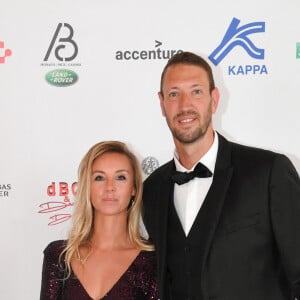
{"x":188,"y":137}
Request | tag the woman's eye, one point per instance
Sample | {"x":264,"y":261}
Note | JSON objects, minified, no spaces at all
{"x":121,"y":177}
{"x":99,"y":178}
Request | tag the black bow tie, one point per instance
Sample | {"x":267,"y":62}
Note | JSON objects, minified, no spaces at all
{"x":184,"y":177}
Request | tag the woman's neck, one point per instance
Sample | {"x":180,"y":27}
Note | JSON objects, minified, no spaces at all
{"x":110,"y":233}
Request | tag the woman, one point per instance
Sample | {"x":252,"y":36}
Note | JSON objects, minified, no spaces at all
{"x":104,"y":256}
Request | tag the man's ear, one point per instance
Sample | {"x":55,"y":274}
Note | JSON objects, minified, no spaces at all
{"x":215,"y":96}
{"x":161,"y":101}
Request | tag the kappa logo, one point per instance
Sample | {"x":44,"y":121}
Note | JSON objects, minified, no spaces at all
{"x":239,"y":36}
{"x":7,"y":52}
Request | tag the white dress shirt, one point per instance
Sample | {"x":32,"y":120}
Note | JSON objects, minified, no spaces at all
{"x":188,"y":197}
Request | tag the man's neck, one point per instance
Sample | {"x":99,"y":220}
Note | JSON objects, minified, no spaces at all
{"x":190,"y":154}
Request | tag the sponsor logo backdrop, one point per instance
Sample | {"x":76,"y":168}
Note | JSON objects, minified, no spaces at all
{"x":73,"y":73}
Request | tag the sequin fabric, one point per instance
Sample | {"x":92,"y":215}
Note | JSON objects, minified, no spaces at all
{"x":139,"y":282}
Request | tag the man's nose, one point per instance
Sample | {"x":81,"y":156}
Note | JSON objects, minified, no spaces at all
{"x":184,"y":101}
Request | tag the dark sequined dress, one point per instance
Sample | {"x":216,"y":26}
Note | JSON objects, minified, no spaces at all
{"x":137,"y":283}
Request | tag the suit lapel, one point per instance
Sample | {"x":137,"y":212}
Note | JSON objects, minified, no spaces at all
{"x":208,"y":217}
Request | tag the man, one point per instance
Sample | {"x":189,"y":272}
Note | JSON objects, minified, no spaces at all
{"x":233,"y":233}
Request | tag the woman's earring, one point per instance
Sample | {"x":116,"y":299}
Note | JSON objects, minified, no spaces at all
{"x":131,"y":203}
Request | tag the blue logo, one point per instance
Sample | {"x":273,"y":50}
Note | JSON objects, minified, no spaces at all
{"x":238,"y":36}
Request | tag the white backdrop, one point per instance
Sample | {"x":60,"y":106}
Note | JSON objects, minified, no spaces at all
{"x":46,"y":129}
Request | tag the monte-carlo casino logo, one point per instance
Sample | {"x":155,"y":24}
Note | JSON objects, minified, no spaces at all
{"x":61,"y":53}
{"x":241,"y":35}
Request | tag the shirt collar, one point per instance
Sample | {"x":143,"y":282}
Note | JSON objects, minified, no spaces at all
{"x":208,"y":159}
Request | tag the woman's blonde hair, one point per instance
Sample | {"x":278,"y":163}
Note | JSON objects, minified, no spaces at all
{"x":83,"y":217}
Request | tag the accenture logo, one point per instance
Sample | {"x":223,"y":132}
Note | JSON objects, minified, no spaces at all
{"x":152,"y":54}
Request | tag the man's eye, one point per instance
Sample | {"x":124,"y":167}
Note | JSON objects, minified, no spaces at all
{"x":121,"y":177}
{"x":99,"y":178}
{"x":173,"y":94}
{"x":197,"y":92}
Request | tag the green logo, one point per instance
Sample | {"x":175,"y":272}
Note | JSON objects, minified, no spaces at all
{"x":61,"y":77}
{"x":297,"y":50}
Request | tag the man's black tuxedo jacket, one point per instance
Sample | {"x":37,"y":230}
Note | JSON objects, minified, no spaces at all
{"x":251,"y":236}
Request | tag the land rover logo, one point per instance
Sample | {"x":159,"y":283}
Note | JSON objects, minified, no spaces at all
{"x":61,"y":77}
